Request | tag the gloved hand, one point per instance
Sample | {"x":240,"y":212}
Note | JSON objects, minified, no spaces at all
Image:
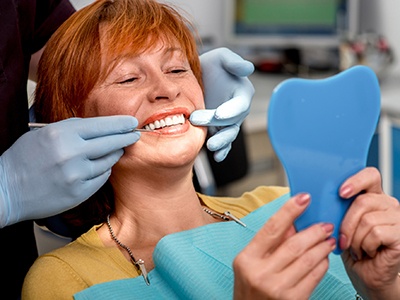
{"x":228,"y":95}
{"x":52,"y":169}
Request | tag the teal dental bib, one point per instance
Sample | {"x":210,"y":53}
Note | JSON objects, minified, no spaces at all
{"x":197,"y":264}
{"x":321,"y":130}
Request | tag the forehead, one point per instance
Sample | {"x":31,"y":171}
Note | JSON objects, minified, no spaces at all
{"x":113,"y":52}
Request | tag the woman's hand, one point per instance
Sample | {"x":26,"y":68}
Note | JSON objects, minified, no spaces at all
{"x":370,"y":236}
{"x":280,"y":263}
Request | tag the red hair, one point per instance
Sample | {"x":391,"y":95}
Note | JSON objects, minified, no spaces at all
{"x":71,"y":64}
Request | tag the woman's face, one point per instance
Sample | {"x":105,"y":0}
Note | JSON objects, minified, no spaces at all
{"x":159,"y":89}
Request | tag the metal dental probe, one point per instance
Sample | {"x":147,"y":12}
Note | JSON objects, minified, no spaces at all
{"x":40,"y":125}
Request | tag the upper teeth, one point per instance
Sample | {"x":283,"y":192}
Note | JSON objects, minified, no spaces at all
{"x":168,"y":121}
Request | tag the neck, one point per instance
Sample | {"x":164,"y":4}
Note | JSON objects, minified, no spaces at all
{"x":147,"y":209}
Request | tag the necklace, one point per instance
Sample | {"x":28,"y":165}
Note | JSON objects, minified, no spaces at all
{"x":139,"y":264}
{"x":227,"y":216}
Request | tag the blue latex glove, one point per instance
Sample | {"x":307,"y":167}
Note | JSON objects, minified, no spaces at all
{"x":228,"y":95}
{"x":52,"y":169}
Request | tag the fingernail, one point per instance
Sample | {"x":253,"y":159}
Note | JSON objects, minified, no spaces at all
{"x":328,"y":227}
{"x":303,"y":199}
{"x":332,"y":242}
{"x":342,"y":241}
{"x":345,"y":191}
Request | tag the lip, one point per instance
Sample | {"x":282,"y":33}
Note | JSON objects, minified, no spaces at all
{"x":165,"y":113}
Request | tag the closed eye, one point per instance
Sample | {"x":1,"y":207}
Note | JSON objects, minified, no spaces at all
{"x":129,"y":80}
{"x":177,"y":71}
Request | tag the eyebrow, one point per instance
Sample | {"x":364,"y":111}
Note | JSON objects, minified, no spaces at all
{"x":166,"y":50}
{"x":173,"y":49}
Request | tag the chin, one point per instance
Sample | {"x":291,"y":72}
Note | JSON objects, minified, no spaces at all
{"x":176,"y":155}
{"x":171,"y":153}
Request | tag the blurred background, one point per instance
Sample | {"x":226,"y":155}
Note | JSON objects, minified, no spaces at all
{"x":307,"y":39}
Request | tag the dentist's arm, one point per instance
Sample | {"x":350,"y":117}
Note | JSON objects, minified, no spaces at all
{"x":52,"y":169}
{"x":228,"y":95}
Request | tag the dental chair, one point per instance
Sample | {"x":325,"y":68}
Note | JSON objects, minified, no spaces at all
{"x":210,"y":175}
{"x":47,"y":240}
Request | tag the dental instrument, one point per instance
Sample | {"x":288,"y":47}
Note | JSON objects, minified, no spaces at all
{"x":40,"y":125}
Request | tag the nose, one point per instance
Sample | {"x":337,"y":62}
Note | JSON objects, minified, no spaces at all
{"x":163,"y":88}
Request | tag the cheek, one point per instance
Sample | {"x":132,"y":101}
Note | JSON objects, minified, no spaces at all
{"x":201,"y":104}
{"x":92,"y":107}
{"x":197,"y":96}
{"x":203,"y":133}
{"x":105,"y":106}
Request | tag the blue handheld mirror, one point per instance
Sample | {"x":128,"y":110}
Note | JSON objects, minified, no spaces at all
{"x":321,"y":130}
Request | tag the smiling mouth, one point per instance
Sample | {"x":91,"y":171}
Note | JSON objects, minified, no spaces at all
{"x":173,"y":120}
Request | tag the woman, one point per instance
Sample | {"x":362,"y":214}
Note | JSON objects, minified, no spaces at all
{"x":138,"y":57}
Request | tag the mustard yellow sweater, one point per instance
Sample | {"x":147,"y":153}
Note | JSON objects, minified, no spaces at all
{"x":85,"y":262}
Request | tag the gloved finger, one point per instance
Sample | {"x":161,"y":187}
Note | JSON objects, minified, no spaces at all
{"x":83,"y":184}
{"x":83,"y":191}
{"x":231,"y":62}
{"x":102,"y":165}
{"x":202,"y":117}
{"x":99,"y":147}
{"x":237,"y":106}
{"x":223,"y":138}
{"x":237,"y":66}
{"x":92,"y":185}
{"x":206,"y":117}
{"x":221,"y":154}
{"x":79,"y":174}
{"x":242,"y":68}
{"x":89,"y":128}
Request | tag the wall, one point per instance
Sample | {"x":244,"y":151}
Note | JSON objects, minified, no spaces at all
{"x":206,"y":14}
{"x":380,"y":16}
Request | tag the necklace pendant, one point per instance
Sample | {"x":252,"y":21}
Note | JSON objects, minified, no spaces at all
{"x":142,"y":270}
{"x":139,"y":264}
{"x":237,"y":220}
{"x":227,"y":216}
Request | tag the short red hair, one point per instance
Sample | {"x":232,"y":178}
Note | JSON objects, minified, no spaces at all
{"x":71,"y":63}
